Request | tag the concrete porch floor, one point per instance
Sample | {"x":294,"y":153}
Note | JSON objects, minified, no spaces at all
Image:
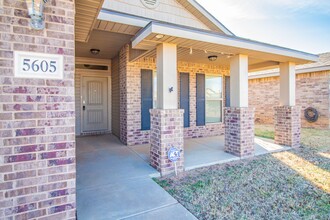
{"x":208,"y":151}
{"x":114,"y":181}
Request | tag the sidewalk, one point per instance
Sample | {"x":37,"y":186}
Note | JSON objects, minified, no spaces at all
{"x":113,"y":182}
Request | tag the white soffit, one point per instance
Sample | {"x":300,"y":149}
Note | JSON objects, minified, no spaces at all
{"x":118,"y":17}
{"x":205,"y":40}
{"x":85,"y":18}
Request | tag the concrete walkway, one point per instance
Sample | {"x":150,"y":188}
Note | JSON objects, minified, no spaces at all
{"x":113,"y":182}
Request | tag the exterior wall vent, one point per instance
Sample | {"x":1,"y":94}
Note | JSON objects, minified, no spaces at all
{"x":151,"y":4}
{"x":92,"y":67}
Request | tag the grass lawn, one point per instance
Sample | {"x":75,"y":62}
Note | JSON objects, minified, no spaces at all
{"x":287,"y":185}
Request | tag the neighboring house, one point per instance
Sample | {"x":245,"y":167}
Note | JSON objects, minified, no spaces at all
{"x":112,"y":52}
{"x":312,"y":91}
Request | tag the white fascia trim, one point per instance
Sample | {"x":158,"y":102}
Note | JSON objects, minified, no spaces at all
{"x":141,"y":35}
{"x":118,"y":17}
{"x":214,"y":38}
{"x":298,"y":71}
{"x":210,"y":17}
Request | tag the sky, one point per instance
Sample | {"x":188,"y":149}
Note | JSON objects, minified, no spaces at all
{"x":297,"y":24}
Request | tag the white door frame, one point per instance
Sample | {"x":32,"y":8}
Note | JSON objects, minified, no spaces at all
{"x":94,"y":73}
{"x":108,"y":104}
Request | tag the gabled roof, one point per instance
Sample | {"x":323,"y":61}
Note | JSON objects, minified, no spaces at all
{"x":323,"y":64}
{"x":120,"y":14}
{"x":87,"y":11}
{"x":203,"y":15}
{"x":188,"y":37}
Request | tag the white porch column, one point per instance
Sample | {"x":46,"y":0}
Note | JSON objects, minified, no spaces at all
{"x":239,"y":118}
{"x":287,"y":84}
{"x":167,"y":120}
{"x":287,"y":115}
{"x":167,"y":83}
{"x":239,"y":81}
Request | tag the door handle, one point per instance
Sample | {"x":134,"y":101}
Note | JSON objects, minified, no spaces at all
{"x":84,"y":108}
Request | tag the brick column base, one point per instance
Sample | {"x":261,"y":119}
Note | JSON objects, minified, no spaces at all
{"x":287,"y":125}
{"x":239,"y":131}
{"x":166,"y":131}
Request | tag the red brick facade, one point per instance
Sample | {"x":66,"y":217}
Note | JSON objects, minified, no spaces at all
{"x":37,"y":149}
{"x":312,"y":90}
{"x":239,"y":131}
{"x":130,"y":93}
{"x":166,"y":132}
{"x":287,"y":125}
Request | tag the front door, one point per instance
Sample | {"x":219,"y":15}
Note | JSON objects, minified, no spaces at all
{"x":94,"y":104}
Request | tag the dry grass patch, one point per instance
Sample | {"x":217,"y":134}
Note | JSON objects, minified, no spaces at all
{"x":285,"y":185}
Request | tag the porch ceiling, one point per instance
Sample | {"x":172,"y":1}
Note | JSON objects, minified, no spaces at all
{"x":201,"y":56}
{"x":109,"y":43}
{"x":116,"y":27}
{"x":261,"y":55}
{"x":86,"y":14}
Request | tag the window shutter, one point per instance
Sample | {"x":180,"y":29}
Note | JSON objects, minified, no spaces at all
{"x":184,"y":97}
{"x":146,"y":98}
{"x":227,"y":90}
{"x":200,"y":99}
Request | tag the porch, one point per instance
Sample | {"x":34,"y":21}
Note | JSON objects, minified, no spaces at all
{"x":207,"y":151}
{"x":114,"y":180}
{"x":168,"y":81}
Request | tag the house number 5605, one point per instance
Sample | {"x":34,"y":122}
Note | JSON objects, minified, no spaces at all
{"x":39,"y":65}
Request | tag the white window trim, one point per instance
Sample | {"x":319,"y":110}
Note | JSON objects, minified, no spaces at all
{"x":221,"y":99}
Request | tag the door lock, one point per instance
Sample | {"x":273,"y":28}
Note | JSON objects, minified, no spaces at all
{"x":84,"y":108}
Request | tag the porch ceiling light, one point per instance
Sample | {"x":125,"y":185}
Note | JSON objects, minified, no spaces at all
{"x":159,"y":36}
{"x":95,"y":51}
{"x":35,"y":9}
{"x":212,"y":58}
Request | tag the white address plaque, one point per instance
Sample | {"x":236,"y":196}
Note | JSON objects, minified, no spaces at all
{"x":38,"y":65}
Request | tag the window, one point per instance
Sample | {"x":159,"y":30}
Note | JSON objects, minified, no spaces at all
{"x":209,"y":99}
{"x":148,"y":96}
{"x":154,"y":89}
{"x":213,"y":99}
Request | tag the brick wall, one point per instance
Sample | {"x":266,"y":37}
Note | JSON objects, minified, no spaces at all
{"x":37,"y":117}
{"x":123,"y":74}
{"x":166,"y":132}
{"x":312,"y":90}
{"x":130,"y":92}
{"x":212,"y":129}
{"x":239,"y":133}
{"x":287,"y":125}
{"x":115,"y":97}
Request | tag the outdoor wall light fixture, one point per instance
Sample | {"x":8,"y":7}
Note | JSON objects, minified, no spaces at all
{"x":212,"y":58}
{"x":95,"y":51}
{"x":35,"y":9}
